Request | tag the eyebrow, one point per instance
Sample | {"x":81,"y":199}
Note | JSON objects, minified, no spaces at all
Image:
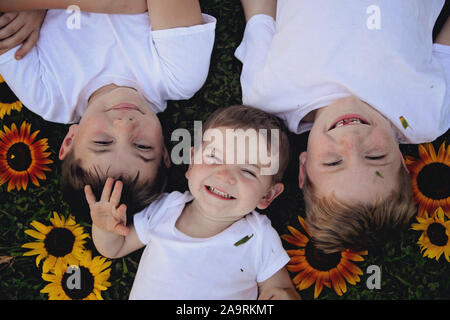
{"x":137,"y":155}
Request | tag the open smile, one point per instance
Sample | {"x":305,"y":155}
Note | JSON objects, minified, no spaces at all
{"x":218,"y":193}
{"x":348,"y":119}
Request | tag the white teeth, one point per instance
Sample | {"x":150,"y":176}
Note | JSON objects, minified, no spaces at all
{"x":347,"y":121}
{"x":220,"y":193}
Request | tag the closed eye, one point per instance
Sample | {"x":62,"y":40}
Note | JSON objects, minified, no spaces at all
{"x":103,"y":143}
{"x":376,"y":157}
{"x":143,"y":147}
{"x":211,"y":159}
{"x":249,"y":172}
{"x":331,"y":164}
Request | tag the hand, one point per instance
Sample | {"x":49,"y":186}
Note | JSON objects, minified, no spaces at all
{"x":279,"y":294}
{"x":106,"y":214}
{"x":20,"y":27}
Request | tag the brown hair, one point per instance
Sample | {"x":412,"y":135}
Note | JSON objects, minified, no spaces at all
{"x":136,"y":195}
{"x":335,"y":225}
{"x":246,"y":117}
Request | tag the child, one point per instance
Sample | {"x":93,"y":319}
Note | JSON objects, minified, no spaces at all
{"x":207,"y":243}
{"x":114,"y":72}
{"x":363,"y":76}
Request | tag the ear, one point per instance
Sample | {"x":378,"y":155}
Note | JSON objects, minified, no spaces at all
{"x":166,"y":157}
{"x":191,"y":161}
{"x":403,"y":162}
{"x":67,"y":143}
{"x":273,"y":192}
{"x":302,"y":169}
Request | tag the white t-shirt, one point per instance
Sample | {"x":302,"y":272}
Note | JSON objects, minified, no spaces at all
{"x":322,"y":50}
{"x":56,"y":79}
{"x":175,"y":266}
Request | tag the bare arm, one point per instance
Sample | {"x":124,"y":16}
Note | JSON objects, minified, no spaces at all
{"x":166,"y":14}
{"x":444,"y":35}
{"x":253,"y":7}
{"x":99,"y":6}
{"x":278,"y":287}
{"x":113,"y":245}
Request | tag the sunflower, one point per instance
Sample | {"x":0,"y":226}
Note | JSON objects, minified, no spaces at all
{"x":435,"y":238}
{"x":93,"y":275}
{"x":62,"y":242}
{"x":22,"y":158}
{"x":430,"y":176}
{"x":9,"y":100}
{"x":316,"y":266}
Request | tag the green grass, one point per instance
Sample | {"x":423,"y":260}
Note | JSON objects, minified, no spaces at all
{"x":405,"y":274}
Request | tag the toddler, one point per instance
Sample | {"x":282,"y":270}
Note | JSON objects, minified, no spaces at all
{"x":209,"y":242}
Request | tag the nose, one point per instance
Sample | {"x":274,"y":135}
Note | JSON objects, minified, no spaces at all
{"x":124,"y":122}
{"x":351,"y":137}
{"x":225,"y":174}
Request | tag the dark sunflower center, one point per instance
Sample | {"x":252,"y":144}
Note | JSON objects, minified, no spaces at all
{"x":78,"y":284}
{"x":7,"y":95}
{"x":436,"y":233}
{"x":433,"y":180}
{"x":18,"y":156}
{"x":319,"y":260}
{"x":59,"y":242}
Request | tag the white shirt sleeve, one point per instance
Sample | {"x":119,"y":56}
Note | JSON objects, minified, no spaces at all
{"x":144,"y":220}
{"x":185,"y":55}
{"x":273,"y":256}
{"x":27,"y":79}
{"x":442,"y":54}
{"x":254,"y":48}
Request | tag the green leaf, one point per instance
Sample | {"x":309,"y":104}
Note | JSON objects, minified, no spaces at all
{"x":405,"y":123}
{"x":243,"y":240}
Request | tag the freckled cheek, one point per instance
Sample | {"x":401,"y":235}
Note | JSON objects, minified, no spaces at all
{"x":381,"y":138}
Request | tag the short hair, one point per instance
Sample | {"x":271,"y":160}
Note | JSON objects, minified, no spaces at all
{"x":135,"y":195}
{"x":336,"y":225}
{"x":247,"y":117}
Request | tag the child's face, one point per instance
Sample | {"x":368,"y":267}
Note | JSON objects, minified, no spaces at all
{"x":227,"y":192}
{"x":119,"y":134}
{"x":356,"y":161}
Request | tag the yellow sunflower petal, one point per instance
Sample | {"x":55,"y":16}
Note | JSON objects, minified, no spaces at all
{"x":41,"y":227}
{"x":33,"y":245}
{"x":49,"y":263}
{"x":35,"y":234}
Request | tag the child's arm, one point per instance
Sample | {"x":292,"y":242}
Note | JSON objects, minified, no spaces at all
{"x":99,"y":6}
{"x":109,"y":232}
{"x":253,"y":7}
{"x":444,"y":35}
{"x":20,"y":27}
{"x":166,"y":14}
{"x":278,"y":287}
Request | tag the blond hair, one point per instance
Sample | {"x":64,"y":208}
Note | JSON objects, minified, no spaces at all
{"x":335,"y":225}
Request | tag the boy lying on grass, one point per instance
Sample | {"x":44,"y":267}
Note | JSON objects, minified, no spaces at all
{"x":109,"y":77}
{"x":362,"y":76}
